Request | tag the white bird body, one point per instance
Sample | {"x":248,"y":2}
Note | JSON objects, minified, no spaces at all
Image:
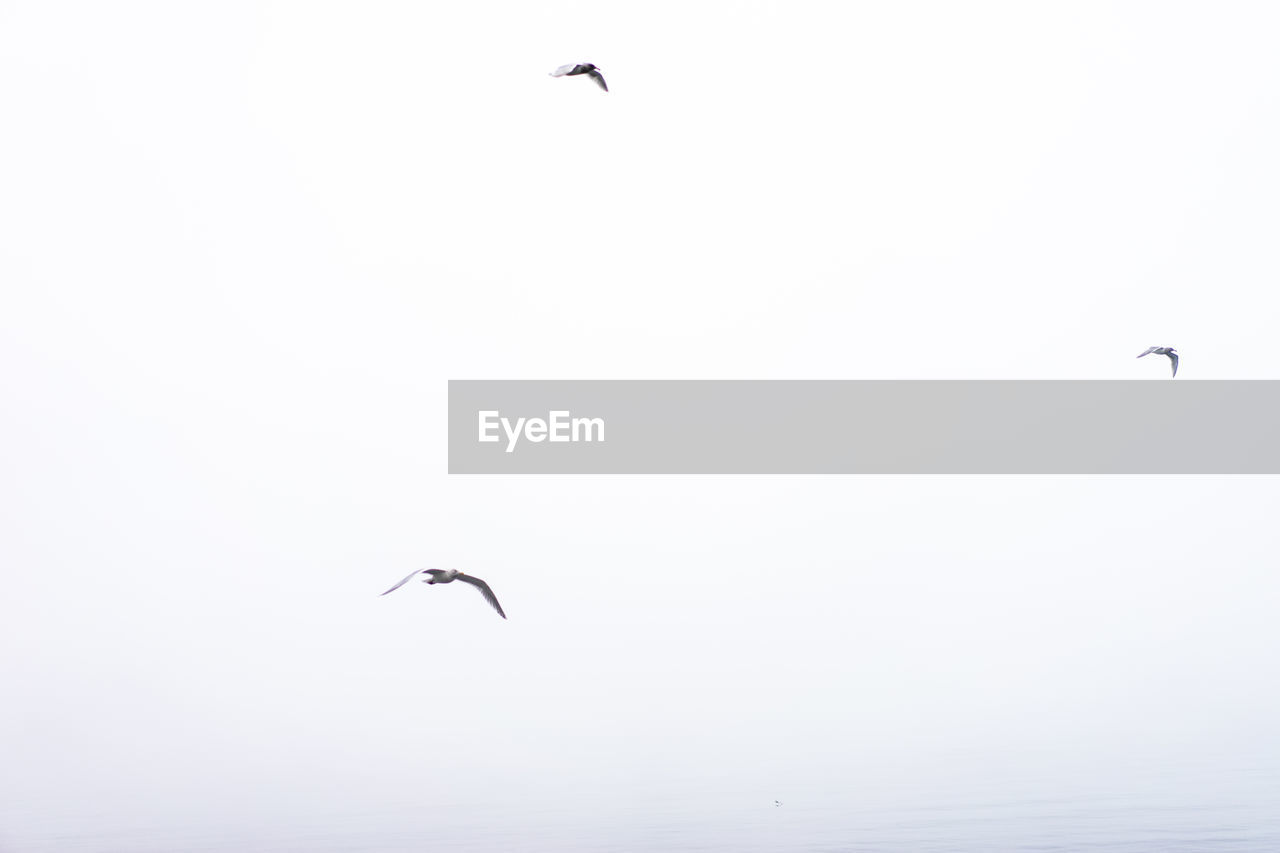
{"x":435,"y":576}
{"x":1169,"y":351}
{"x":586,"y":68}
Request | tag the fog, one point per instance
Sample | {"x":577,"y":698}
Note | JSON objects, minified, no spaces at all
{"x":247,"y":245}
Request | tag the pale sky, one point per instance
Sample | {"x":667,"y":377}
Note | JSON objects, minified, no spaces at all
{"x":246,"y":245}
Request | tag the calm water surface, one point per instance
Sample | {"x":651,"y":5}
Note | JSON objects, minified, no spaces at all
{"x":1203,"y":805}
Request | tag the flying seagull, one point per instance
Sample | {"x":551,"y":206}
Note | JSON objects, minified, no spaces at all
{"x":1169,"y":351}
{"x":449,"y":576}
{"x":587,"y":69}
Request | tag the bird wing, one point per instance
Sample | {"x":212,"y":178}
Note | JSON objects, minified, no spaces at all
{"x":599,"y":78}
{"x":563,"y":70}
{"x":1173,"y":356}
{"x":484,"y":590}
{"x":1149,"y":351}
{"x":406,"y":580}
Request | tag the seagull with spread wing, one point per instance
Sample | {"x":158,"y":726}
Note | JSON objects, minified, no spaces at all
{"x":435,"y":576}
{"x":1169,"y":351}
{"x":584,"y":68}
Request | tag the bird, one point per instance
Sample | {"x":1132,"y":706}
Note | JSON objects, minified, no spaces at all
{"x":576,"y":69}
{"x":776,"y":804}
{"x":435,"y":576}
{"x":1169,"y":351}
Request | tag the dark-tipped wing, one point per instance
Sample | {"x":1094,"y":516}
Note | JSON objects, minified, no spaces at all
{"x":599,"y":78}
{"x":407,"y":579}
{"x":1173,"y":356}
{"x":484,"y":590}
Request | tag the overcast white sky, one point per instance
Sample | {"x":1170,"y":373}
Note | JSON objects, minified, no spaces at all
{"x":246,"y":245}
